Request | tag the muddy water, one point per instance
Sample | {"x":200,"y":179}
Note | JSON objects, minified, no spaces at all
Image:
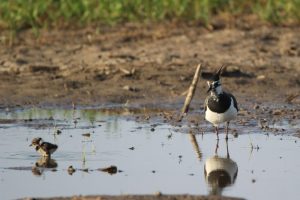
{"x":149,"y":156}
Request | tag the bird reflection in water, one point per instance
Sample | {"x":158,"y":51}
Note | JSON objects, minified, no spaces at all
{"x":220,"y":172}
{"x":42,"y":164}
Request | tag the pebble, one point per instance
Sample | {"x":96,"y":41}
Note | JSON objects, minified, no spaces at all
{"x":111,"y":169}
{"x":256,"y":106}
{"x":71,"y":170}
{"x":58,"y":132}
{"x":261,"y":77}
{"x":276,"y":112}
{"x":86,"y":134}
{"x":131,"y":148}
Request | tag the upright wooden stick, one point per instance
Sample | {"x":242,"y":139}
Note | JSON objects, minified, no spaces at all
{"x":190,"y":94}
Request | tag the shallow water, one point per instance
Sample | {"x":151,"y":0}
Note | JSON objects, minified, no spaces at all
{"x":148,"y":160}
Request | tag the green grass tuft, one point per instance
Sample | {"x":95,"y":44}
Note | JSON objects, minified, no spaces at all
{"x":20,"y":14}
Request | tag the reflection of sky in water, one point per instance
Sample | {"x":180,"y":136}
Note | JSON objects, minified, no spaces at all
{"x":274,"y":168}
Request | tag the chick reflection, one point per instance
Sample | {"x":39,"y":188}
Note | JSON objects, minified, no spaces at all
{"x":43,"y":163}
{"x":220,"y":172}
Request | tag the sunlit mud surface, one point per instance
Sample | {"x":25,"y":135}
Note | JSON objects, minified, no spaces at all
{"x":118,"y":154}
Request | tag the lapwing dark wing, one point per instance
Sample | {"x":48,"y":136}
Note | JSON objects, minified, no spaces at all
{"x":220,"y":106}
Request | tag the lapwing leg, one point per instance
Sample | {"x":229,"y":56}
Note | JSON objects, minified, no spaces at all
{"x":227,"y":151}
{"x":227,"y":126}
{"x":217,"y":131}
{"x":217,"y":147}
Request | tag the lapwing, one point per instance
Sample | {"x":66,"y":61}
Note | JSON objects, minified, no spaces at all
{"x":44,"y":148}
{"x":220,"y":106}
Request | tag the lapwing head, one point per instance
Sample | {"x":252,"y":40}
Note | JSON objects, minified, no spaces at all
{"x":215,"y":85}
{"x":36,"y":142}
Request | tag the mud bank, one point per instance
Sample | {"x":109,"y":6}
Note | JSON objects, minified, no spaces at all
{"x":148,"y":64}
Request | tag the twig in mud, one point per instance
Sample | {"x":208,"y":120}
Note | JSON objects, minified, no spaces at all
{"x":190,"y":93}
{"x":291,"y":97}
{"x":127,"y":72}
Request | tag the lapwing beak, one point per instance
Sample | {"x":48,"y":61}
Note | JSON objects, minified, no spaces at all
{"x":30,"y":145}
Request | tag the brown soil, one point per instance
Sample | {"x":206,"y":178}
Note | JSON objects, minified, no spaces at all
{"x":147,"y":64}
